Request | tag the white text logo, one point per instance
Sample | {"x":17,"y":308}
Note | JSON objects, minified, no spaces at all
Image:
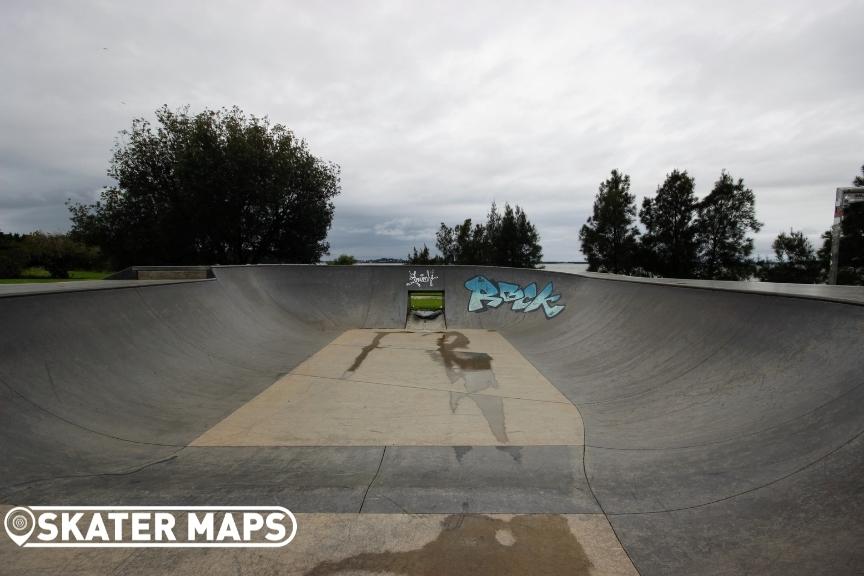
{"x":150,"y":526}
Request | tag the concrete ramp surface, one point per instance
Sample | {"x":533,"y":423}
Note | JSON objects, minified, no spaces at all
{"x":559,"y":424}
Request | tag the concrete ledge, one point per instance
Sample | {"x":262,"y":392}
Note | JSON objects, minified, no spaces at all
{"x":9,"y":290}
{"x":831,"y":293}
{"x":163,"y":273}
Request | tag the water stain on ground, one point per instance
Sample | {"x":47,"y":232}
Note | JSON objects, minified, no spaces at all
{"x":364,"y":353}
{"x":515,"y":452}
{"x":474,"y":370}
{"x":479,"y":546}
{"x":461,"y":451}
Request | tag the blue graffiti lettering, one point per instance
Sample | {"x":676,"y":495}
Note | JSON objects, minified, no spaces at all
{"x":483,"y":294}
{"x":528,"y":295}
{"x":486,"y":294}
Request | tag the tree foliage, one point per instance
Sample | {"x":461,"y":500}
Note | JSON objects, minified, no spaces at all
{"x":859,"y":180}
{"x":343,"y":260}
{"x":609,"y":238}
{"x":56,"y":253}
{"x":669,"y":242}
{"x":793,"y":247}
{"x":215,"y":187}
{"x":13,"y":256}
{"x":506,"y":239}
{"x":795,"y":260}
{"x":724,"y":218}
{"x":423,"y":257}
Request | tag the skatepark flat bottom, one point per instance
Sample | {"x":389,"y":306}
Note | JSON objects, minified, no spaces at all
{"x":405,"y":388}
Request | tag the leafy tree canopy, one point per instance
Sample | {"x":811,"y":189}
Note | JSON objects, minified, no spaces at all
{"x":793,"y":248}
{"x":56,"y":253}
{"x":796,"y":260}
{"x":609,"y":237}
{"x":669,"y":242}
{"x":343,"y":260}
{"x":214,"y":187}
{"x":724,"y":218}
{"x":506,"y":239}
{"x":423,"y":257}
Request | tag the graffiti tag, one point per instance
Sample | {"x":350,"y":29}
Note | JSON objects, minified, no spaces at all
{"x":418,"y":279}
{"x":488,"y":294}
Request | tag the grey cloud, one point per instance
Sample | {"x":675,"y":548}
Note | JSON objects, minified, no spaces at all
{"x":433,"y":110}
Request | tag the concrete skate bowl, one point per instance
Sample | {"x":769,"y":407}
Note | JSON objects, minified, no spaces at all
{"x":643,"y":428}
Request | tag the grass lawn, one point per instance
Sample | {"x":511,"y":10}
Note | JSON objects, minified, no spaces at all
{"x":426,"y":300}
{"x":41,"y":276}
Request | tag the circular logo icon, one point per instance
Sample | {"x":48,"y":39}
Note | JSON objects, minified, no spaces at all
{"x":19,"y":523}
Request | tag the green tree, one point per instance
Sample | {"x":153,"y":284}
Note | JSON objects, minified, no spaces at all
{"x":505,"y":239}
{"x":216,"y":187}
{"x":13,"y":256}
{"x":58,"y":253}
{"x":793,"y":247}
{"x":859,"y":180}
{"x":423,"y":257}
{"x":343,"y":260}
{"x":491,"y":247}
{"x":513,"y":241}
{"x":456,"y":244}
{"x":669,"y":241}
{"x":446,"y":244}
{"x":528,"y":253}
{"x":609,"y":237}
{"x":724,"y":218}
{"x":796,"y":260}
{"x":824,"y":253}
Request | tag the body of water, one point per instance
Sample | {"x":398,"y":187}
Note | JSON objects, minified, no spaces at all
{"x":569,"y":268}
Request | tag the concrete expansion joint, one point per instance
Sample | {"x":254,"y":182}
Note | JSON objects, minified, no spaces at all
{"x":350,"y":380}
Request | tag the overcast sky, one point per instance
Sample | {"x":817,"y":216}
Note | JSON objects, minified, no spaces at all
{"x":434,"y":109}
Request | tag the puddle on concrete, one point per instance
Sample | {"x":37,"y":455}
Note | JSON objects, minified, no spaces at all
{"x":364,"y":353}
{"x":492,"y":408}
{"x":474,"y":370}
{"x":480,"y":546}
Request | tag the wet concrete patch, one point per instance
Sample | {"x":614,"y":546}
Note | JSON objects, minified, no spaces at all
{"x":309,"y":411}
{"x":366,"y":350}
{"x":405,"y":388}
{"x":480,"y":546}
{"x":477,"y":362}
